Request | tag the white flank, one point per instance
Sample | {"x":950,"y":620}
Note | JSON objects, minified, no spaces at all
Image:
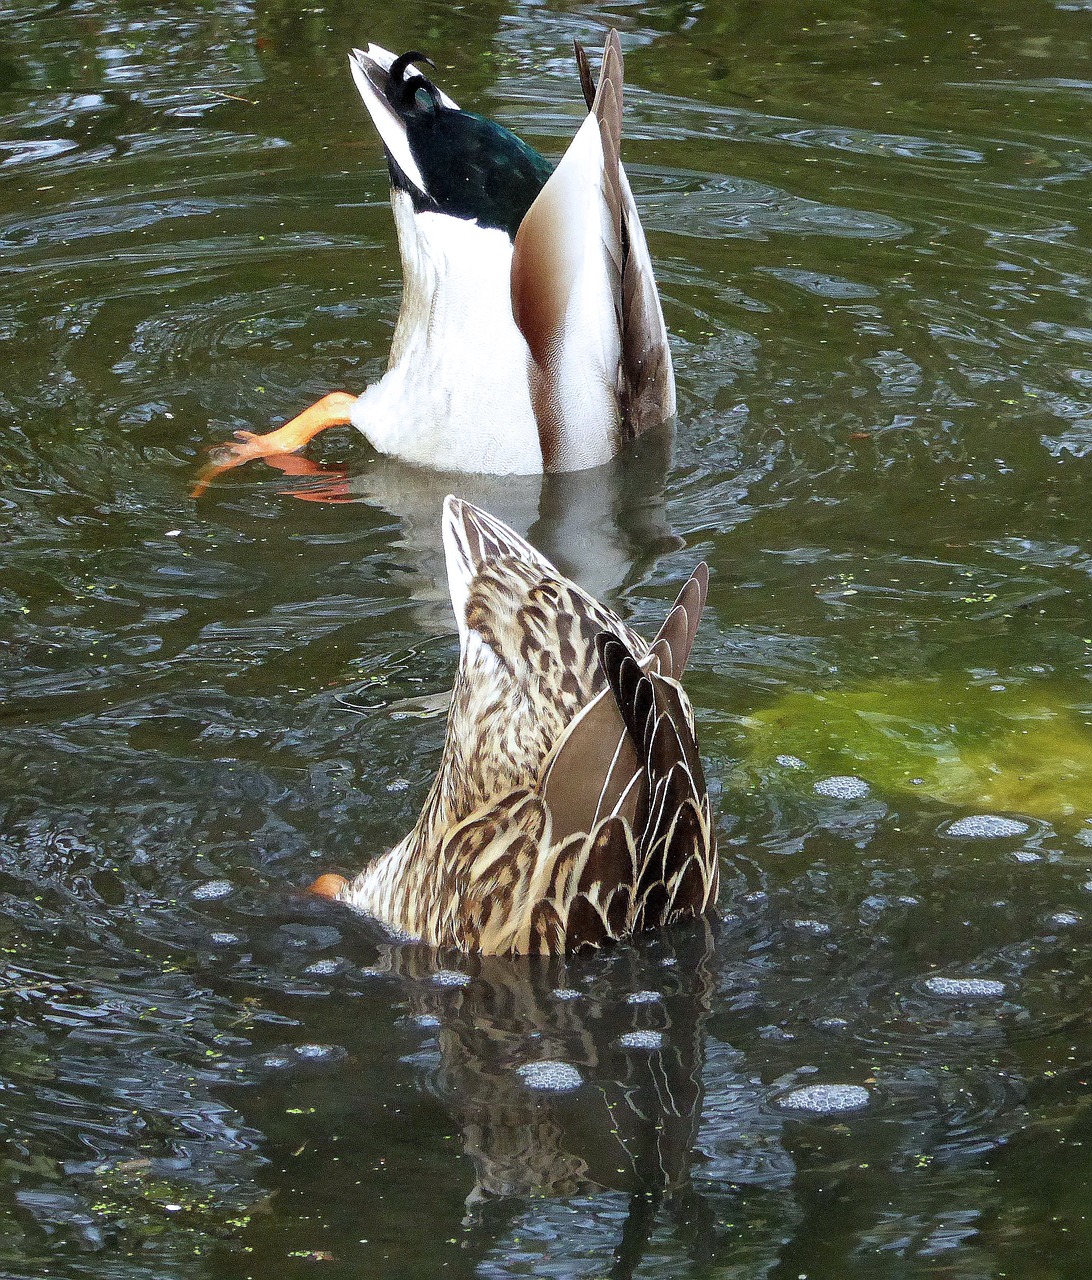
{"x":583,"y":369}
{"x":455,"y":396}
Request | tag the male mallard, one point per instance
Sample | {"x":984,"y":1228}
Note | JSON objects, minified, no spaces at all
{"x":570,"y":805}
{"x":531,"y":336}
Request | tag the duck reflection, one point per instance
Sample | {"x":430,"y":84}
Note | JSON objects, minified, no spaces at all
{"x":603,"y":528}
{"x":623,"y":1034}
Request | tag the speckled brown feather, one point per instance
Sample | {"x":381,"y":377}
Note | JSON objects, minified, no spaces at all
{"x":569,"y":805}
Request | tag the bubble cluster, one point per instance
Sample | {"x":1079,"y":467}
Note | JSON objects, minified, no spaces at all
{"x":649,"y":1040}
{"x":565,"y":993}
{"x":987,"y":826}
{"x":790,"y":762}
{"x":213,"y":890}
{"x":323,"y":968}
{"x":451,"y":978}
{"x":842,"y":787}
{"x":319,"y":1052}
{"x":550,"y":1076}
{"x":826,"y":1099}
{"x":832,"y":1024}
{"x":644,"y":997}
{"x":1065,"y":919}
{"x":817,"y":928}
{"x":964,"y":988}
{"x":223,"y":939}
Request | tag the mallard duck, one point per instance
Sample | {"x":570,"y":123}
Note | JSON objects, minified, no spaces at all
{"x":531,"y":336}
{"x":570,"y":806}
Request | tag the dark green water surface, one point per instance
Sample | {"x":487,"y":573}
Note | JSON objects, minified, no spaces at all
{"x":870,"y":224}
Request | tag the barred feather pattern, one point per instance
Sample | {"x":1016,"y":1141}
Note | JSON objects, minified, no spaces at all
{"x":570,"y":807}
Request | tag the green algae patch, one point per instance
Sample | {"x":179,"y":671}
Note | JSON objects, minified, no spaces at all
{"x":1004,"y":747}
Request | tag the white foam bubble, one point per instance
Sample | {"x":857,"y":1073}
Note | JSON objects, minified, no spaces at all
{"x":319,"y":1052}
{"x":644,"y":997}
{"x":987,"y":826}
{"x":842,"y":787}
{"x":817,"y":928}
{"x":790,"y":762}
{"x":323,"y":968}
{"x":964,"y":988}
{"x":212,"y":890}
{"x":648,"y":1040}
{"x":826,"y":1099}
{"x":223,"y":939}
{"x":832,"y":1024}
{"x":550,"y":1076}
{"x":451,"y":978}
{"x":565,"y":993}
{"x":1065,"y":919}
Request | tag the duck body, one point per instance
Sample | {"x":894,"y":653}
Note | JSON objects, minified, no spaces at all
{"x":570,"y":807}
{"x":530,"y":337}
{"x":455,"y":396}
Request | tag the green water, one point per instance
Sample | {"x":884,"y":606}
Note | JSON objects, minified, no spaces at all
{"x":870,"y":227}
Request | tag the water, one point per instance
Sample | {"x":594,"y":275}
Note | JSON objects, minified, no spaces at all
{"x":867,"y":227}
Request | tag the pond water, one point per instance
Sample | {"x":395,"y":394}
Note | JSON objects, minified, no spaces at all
{"x":870,"y":228}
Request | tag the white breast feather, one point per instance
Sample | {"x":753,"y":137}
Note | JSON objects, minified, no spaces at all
{"x":456,"y":394}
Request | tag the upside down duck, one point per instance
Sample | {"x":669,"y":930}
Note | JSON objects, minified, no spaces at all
{"x":531,"y":336}
{"x":570,"y":807}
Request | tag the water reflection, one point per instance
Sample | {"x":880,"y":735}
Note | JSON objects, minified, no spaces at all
{"x":604,"y":528}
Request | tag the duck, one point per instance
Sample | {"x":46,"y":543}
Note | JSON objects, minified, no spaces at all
{"x":531,"y":336}
{"x":570,"y":808}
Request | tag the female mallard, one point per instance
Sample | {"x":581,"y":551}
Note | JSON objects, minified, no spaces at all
{"x":530,"y":337}
{"x":570,"y":806}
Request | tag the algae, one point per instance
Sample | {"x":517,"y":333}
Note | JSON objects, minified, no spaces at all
{"x":1000,"y":746}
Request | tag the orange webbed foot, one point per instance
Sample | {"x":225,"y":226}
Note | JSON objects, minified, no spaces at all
{"x":328,"y":885}
{"x":331,"y":411}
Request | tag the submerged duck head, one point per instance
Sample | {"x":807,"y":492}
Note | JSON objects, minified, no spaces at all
{"x":530,"y":336}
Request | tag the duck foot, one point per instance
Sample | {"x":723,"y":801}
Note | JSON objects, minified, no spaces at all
{"x":331,"y":411}
{"x":327,"y":885}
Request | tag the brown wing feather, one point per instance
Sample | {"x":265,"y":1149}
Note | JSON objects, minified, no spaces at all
{"x":647,"y":377}
{"x":570,"y":239}
{"x":677,"y":832}
{"x":681,"y":625}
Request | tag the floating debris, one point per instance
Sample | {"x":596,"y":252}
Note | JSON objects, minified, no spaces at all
{"x":826,"y":1099}
{"x":213,"y":890}
{"x":965,"y":988}
{"x":550,"y":1076}
{"x":987,"y":826}
{"x":843,"y":786}
{"x":647,"y":1040}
